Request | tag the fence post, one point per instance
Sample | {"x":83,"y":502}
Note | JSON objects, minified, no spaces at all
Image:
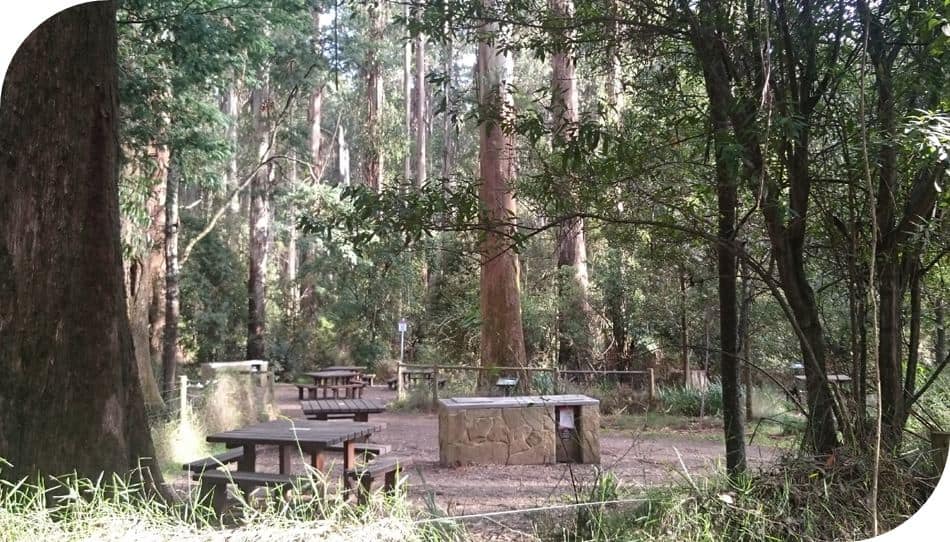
{"x":400,"y":387}
{"x":652,"y":383}
{"x":557,"y":380}
{"x":435,"y":386}
{"x":182,"y":397}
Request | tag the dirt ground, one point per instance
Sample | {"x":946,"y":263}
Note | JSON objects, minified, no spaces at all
{"x":638,"y":459}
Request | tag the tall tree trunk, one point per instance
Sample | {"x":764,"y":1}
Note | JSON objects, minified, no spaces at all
{"x":575,"y":317}
{"x":70,"y":400}
{"x":291,"y":280}
{"x":259,"y":231}
{"x":373,"y":161}
{"x":145,"y":276}
{"x":745,"y":335}
{"x":502,"y":335}
{"x":684,"y":326}
{"x":420,"y":112}
{"x":172,"y":273}
{"x":232,"y":109}
{"x":940,"y":330}
{"x":407,"y":95}
{"x":315,"y":140}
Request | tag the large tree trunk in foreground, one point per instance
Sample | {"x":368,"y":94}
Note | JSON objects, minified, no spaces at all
{"x":70,"y":399}
{"x":259,"y":234}
{"x":575,"y":330}
{"x":502,"y":335}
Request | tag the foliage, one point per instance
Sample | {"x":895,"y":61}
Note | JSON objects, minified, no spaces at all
{"x":691,"y":401}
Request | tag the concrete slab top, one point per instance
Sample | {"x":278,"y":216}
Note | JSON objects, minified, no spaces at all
{"x":462,"y":403}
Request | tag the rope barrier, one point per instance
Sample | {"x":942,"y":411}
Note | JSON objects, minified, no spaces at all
{"x":528,"y":510}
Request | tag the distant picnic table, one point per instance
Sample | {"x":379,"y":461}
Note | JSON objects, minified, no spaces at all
{"x":357,"y":409}
{"x":329,"y":383}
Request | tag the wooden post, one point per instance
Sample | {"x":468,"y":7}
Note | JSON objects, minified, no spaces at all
{"x":435,"y":386}
{"x":400,"y":387}
{"x":651,"y":384}
{"x":182,"y":397}
{"x":557,"y":380}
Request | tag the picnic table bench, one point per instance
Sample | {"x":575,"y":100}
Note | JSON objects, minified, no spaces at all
{"x":325,"y":409}
{"x":290,"y":436}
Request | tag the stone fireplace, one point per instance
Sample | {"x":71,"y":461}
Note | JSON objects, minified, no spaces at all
{"x":527,"y":430}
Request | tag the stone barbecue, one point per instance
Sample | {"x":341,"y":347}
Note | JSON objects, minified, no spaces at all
{"x":525,"y":430}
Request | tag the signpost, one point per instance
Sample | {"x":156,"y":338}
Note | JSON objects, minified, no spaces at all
{"x":403,"y":326}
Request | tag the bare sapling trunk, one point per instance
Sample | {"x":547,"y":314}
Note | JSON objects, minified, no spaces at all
{"x":502,"y":335}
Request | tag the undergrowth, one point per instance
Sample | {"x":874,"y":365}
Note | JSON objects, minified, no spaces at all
{"x":797,"y":499}
{"x":68,"y":509}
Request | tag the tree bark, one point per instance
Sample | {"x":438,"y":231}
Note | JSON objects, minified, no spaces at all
{"x":70,"y":399}
{"x":684,"y":328}
{"x":233,"y":112}
{"x":940,"y":330}
{"x":575,"y":330}
{"x":145,"y":277}
{"x":259,"y":231}
{"x":502,"y":335}
{"x":373,"y":161}
{"x":172,"y":274}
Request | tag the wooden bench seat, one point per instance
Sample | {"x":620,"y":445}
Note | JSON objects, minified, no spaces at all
{"x":212,"y":462}
{"x":364,"y":475}
{"x":215,"y":482}
{"x":364,"y":448}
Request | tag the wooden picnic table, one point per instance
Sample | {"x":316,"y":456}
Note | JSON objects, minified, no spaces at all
{"x":360,"y":409}
{"x":309,"y":436}
{"x":328,"y":381}
{"x":355,"y":368}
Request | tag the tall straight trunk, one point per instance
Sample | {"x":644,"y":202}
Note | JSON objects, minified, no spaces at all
{"x":727,"y":180}
{"x":373,"y":160}
{"x":448,"y":139}
{"x":575,"y":317}
{"x":408,"y":96}
{"x":913,"y":346}
{"x":502,"y":335}
{"x":291,"y":272}
{"x":315,"y":139}
{"x":614,"y":83}
{"x":420,"y":112}
{"x":745,"y":335}
{"x":684,"y":327}
{"x":145,"y":276}
{"x":259,"y":233}
{"x":232,"y":108}
{"x":172,"y":273}
{"x":70,"y":400}
{"x":940,"y":331}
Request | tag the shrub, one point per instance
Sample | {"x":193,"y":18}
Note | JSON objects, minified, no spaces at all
{"x":685,"y":401}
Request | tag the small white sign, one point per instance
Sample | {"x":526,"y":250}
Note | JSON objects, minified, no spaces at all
{"x":565,"y":418}
{"x":403,"y":325}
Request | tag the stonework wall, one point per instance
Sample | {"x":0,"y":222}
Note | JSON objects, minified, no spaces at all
{"x":513,"y":436}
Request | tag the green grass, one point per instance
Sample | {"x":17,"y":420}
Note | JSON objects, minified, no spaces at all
{"x":69,"y":509}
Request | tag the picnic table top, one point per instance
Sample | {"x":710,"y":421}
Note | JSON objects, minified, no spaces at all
{"x":335,"y":373}
{"x":831,"y":378}
{"x":308,"y":432}
{"x":459,"y":403}
{"x":355,"y":368}
{"x":342,"y":406}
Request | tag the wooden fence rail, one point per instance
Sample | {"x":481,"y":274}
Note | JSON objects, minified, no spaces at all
{"x":557,"y":373}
